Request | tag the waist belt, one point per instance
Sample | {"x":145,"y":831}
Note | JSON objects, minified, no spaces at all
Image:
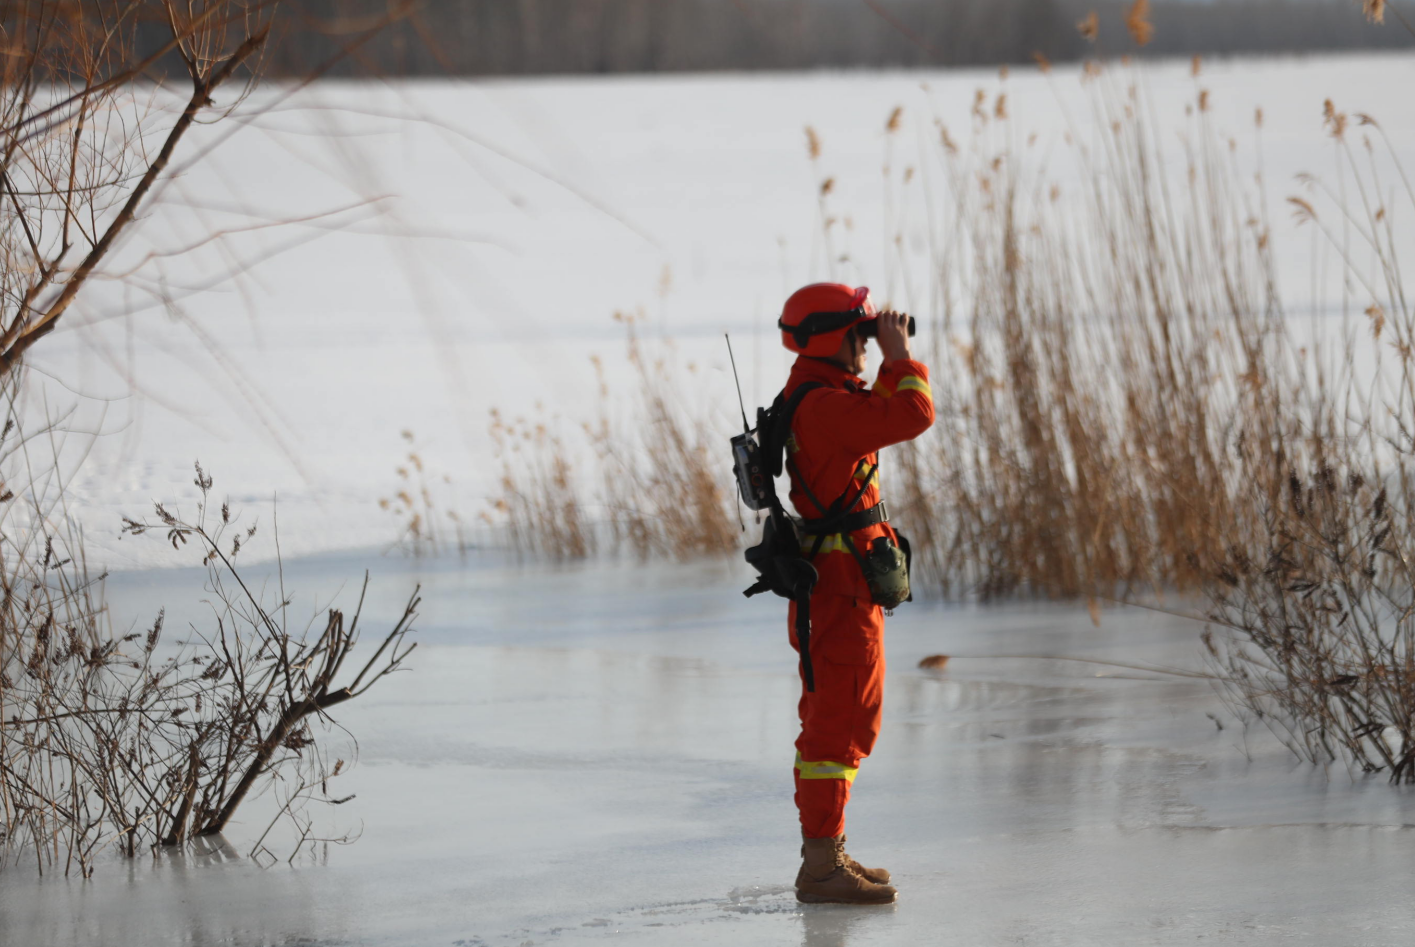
{"x":847,"y":523}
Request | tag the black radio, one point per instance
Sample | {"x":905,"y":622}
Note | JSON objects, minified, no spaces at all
{"x":753,"y":481}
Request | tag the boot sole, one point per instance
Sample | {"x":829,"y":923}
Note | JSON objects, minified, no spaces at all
{"x":806,"y":898}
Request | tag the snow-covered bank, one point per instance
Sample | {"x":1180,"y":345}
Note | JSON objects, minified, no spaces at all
{"x":605,"y":753}
{"x":690,"y":198}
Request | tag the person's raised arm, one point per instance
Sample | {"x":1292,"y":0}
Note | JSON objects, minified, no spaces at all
{"x":900,"y":404}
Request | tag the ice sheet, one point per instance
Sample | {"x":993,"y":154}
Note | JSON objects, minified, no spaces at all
{"x":603,"y":753}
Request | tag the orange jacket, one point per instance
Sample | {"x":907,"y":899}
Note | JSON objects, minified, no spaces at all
{"x":836,"y":427}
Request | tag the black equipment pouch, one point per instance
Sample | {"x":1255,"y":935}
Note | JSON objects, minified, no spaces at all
{"x":781,"y":567}
{"x":779,"y":561}
{"x":786,"y":572}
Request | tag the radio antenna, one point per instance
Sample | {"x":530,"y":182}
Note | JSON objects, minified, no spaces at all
{"x":745,"y":426}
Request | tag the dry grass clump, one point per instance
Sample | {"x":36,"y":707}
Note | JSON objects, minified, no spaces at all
{"x":541,"y":505}
{"x":656,"y":489}
{"x":425,"y":528}
{"x":665,"y":496}
{"x":1099,"y":358}
{"x":1091,"y":360}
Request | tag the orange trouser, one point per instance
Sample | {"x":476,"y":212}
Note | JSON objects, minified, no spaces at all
{"x":840,"y":719}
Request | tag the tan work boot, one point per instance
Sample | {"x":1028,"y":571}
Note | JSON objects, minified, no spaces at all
{"x":879,"y":876}
{"x":827,"y":878}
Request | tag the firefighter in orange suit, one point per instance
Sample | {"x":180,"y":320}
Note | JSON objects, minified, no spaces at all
{"x":836,"y":433}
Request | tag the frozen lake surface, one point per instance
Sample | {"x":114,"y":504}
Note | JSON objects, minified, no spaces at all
{"x":603,"y":754}
{"x":500,"y":224}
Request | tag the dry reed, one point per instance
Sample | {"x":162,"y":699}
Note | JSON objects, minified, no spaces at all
{"x":425,"y":528}
{"x":541,"y":504}
{"x":1099,"y":357}
{"x":656,"y":486}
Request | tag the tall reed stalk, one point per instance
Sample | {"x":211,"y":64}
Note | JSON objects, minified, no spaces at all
{"x":1099,"y":359}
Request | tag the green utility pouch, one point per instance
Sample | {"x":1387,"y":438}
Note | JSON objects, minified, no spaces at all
{"x":886,"y":569}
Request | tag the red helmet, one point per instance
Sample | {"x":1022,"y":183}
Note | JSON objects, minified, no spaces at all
{"x":816,"y":317}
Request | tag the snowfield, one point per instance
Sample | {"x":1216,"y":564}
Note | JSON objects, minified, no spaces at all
{"x":484,"y":233}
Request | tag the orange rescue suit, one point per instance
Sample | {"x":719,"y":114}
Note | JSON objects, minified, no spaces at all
{"x":833,"y":430}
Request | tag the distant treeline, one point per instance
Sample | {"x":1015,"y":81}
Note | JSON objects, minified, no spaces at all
{"x":516,"y":37}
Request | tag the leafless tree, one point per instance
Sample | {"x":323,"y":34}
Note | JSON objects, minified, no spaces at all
{"x":95,"y":99}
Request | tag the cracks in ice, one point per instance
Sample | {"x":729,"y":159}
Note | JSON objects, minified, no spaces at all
{"x":755,"y":900}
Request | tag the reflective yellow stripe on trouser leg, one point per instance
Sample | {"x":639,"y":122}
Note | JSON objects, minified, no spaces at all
{"x":825,"y":770}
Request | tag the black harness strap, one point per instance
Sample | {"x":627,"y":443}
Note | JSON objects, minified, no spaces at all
{"x":803,"y":638}
{"x":840,"y":517}
{"x":848,"y":523}
{"x":833,"y":517}
{"x":829,"y":523}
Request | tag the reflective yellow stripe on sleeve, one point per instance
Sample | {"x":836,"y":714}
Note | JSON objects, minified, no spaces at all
{"x":915,"y":383}
{"x":825,"y":770}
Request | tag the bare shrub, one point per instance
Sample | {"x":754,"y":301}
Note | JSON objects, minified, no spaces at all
{"x":132,"y":741}
{"x":1315,"y":632}
{"x":136,"y":742}
{"x":1314,"y":597}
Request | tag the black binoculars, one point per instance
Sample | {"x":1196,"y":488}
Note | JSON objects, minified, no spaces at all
{"x":870,"y":329}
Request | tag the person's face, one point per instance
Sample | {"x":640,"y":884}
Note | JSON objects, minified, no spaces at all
{"x":851,"y":356}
